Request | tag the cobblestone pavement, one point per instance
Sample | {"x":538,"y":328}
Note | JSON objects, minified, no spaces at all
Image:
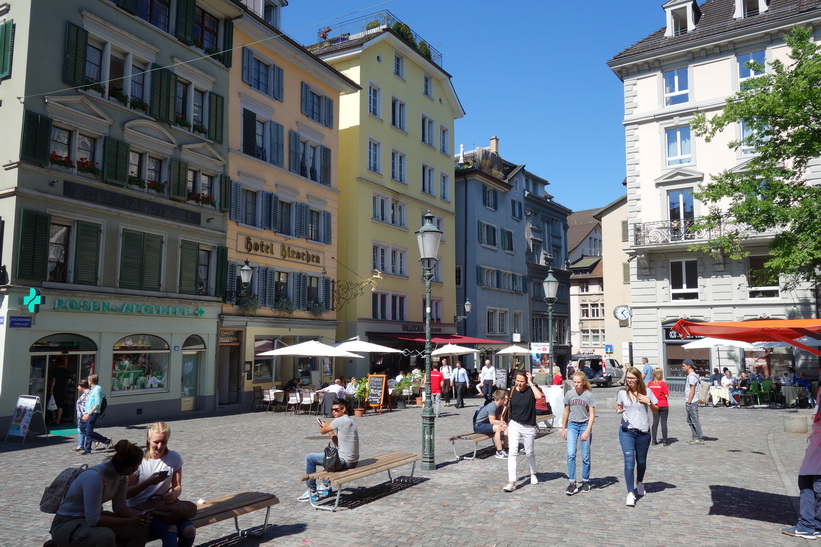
{"x":737,"y":487}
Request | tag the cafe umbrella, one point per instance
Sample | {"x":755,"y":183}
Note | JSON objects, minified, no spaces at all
{"x":311,"y":348}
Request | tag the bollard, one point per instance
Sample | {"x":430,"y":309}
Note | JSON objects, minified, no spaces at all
{"x":795,"y":423}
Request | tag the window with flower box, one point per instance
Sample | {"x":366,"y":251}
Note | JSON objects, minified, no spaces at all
{"x":206,"y":29}
{"x":199,"y":188}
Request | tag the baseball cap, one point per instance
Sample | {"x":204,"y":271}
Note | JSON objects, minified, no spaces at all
{"x":687,"y":362}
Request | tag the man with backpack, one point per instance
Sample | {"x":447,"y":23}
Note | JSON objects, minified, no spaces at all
{"x":94,"y":404}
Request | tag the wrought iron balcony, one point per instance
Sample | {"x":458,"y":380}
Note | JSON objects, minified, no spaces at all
{"x":672,"y":231}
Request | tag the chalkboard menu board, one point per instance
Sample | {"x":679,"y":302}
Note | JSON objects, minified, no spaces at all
{"x":376,"y":390}
{"x":501,"y":378}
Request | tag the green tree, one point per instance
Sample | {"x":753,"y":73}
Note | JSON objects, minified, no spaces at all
{"x":771,"y":192}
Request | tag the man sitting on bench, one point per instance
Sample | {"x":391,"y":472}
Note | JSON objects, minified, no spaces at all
{"x":487,"y":421}
{"x":345,"y":436}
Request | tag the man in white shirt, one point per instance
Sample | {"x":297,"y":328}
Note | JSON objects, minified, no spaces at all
{"x":692,"y":388}
{"x":447,"y":372}
{"x":488,"y":378}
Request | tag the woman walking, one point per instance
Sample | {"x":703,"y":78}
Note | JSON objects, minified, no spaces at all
{"x":659,"y":388}
{"x":577,"y":423}
{"x":635,"y":403}
{"x":521,"y":411}
{"x":80,"y":409}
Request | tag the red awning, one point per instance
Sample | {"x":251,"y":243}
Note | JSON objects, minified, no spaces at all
{"x":756,"y":331}
{"x":438,"y":338}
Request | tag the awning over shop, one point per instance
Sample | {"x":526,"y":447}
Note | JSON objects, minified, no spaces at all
{"x":438,"y":338}
{"x":755,"y":331}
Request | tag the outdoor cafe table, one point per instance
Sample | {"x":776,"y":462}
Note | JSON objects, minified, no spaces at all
{"x":719,"y":393}
{"x":792,"y":394}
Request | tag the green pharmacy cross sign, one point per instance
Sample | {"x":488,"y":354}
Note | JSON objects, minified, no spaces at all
{"x":34,"y":300}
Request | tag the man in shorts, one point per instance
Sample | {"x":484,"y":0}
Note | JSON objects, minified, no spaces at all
{"x":487,"y":420}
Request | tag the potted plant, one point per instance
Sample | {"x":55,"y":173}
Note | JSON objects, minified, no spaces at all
{"x":360,"y":397}
{"x":63,"y":161}
{"x":182,"y":122}
{"x":284,"y":306}
{"x":85,"y":165}
{"x":315,"y":308}
{"x":399,"y":390}
{"x":416,"y":387}
{"x":139,"y":104}
{"x":94,"y":85}
{"x":119,"y":96}
{"x":247,"y":304}
{"x":199,"y":128}
{"x":157,"y":186}
{"x":134,"y":180}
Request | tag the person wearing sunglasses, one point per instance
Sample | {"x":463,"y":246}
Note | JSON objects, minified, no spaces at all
{"x":345,"y":436}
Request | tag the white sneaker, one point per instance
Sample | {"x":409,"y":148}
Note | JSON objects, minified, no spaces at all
{"x":509,"y":487}
{"x":631,"y":500}
{"x":534,"y":479}
{"x":640,"y":490}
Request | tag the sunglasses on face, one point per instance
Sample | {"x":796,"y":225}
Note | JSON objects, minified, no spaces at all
{"x":337,"y":409}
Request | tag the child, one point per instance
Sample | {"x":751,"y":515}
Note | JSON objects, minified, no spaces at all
{"x":579,"y":413}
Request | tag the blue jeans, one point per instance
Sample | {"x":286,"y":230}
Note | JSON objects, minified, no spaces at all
{"x":809,"y":500}
{"x":634,"y":447}
{"x":157,"y":529}
{"x":574,"y":433}
{"x":80,"y":435}
{"x":693,"y":421}
{"x":87,"y":429}
{"x":311,"y":461}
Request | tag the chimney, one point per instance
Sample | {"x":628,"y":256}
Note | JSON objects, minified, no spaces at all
{"x":494,"y":145}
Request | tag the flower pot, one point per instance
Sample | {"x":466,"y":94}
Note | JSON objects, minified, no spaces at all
{"x":419,"y":401}
{"x":400,"y":404}
{"x":358,"y":412}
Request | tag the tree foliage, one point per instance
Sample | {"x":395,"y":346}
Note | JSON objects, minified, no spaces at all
{"x":771,"y":192}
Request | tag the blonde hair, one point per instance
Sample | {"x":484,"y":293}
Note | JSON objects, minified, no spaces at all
{"x":154,"y":429}
{"x":556,"y":370}
{"x":585,"y":380}
{"x":658,"y":374}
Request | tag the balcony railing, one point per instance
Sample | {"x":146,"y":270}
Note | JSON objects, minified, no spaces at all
{"x":672,"y":231}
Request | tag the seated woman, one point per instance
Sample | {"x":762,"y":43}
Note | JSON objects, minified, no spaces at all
{"x":80,"y":519}
{"x":159,"y":479}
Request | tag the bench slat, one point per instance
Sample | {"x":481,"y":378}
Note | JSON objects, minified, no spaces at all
{"x":232,"y":505}
{"x":380,"y":463}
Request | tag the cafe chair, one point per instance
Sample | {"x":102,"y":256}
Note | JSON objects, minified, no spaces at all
{"x":294,"y":397}
{"x":309,"y":400}
{"x":267,"y":399}
{"x":258,"y":399}
{"x":278,"y":399}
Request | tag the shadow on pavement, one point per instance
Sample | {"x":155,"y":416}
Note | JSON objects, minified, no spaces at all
{"x":601,"y":483}
{"x":658,"y":486}
{"x":357,"y":497}
{"x":274,"y":531}
{"x":743,"y":503}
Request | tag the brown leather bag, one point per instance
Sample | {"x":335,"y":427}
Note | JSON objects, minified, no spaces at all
{"x":169,"y":513}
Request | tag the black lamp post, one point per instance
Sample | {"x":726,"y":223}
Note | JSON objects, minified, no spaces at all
{"x":459,"y":318}
{"x":245,"y":274}
{"x":428,"y":238}
{"x":551,"y":288}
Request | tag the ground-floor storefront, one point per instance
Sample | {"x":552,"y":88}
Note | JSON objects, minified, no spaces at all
{"x":151,"y":355}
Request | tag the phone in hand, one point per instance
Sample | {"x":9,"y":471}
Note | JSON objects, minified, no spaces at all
{"x":318,"y":420}
{"x":162,"y":474}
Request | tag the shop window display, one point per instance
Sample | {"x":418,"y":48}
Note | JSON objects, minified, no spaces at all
{"x":140,"y":365}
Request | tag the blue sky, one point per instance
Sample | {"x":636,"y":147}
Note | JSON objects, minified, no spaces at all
{"x":532,"y":73}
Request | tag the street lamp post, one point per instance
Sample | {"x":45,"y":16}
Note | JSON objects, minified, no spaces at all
{"x":551,"y":288}
{"x":245,"y":274}
{"x":428,"y":238}
{"x":459,"y":318}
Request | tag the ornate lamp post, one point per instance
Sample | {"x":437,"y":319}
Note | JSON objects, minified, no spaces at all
{"x":245,"y":274}
{"x":459,"y":318}
{"x":551,"y":288}
{"x":428,"y":238}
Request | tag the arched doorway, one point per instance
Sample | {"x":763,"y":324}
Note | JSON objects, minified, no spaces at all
{"x":193,"y":355}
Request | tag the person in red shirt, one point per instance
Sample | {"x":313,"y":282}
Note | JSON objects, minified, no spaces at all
{"x":436,"y":379}
{"x":659,"y":388}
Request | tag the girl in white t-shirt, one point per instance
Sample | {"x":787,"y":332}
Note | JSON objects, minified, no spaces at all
{"x":160,"y":475}
{"x":635,"y":404}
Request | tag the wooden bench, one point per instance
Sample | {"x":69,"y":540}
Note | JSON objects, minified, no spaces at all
{"x":233,"y":505}
{"x":365,"y":468}
{"x":476,"y":438}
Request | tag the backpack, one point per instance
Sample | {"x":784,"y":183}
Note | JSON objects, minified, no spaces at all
{"x":55,"y":492}
{"x":103,"y":406}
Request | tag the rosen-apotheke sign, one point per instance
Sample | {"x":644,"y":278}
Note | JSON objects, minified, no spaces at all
{"x":101,"y":306}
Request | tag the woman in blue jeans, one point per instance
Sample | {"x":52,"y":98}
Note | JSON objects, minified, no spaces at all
{"x":635,"y":403}
{"x":577,"y":422}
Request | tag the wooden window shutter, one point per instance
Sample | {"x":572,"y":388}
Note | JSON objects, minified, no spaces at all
{"x":247,"y":64}
{"x":277,"y":144}
{"x":152,"y":262}
{"x":293,"y":162}
{"x":6,"y":48}
{"x":189,"y":258}
{"x":225,"y":193}
{"x":328,"y":112}
{"x":626,"y":272}
{"x":231,"y":282}
{"x":74,"y":60}
{"x":265,"y":219}
{"x":325,"y":175}
{"x":301,"y":220}
{"x":115,"y":161}
{"x":131,"y":258}
{"x":221,"y":272}
{"x":327,"y":227}
{"x":481,"y":231}
{"x":263,"y":288}
{"x":279,"y":83}
{"x":163,"y":94}
{"x":306,"y":97}
{"x":227,"y":42}
{"x":32,"y":246}
{"x":236,"y":200}
{"x":249,"y":132}
{"x":327,"y":294}
{"x":524,"y":284}
{"x":87,"y":253}
{"x":480,"y":275}
{"x":302,"y":285}
{"x":216,"y":117}
{"x":179,"y":175}
{"x":184,"y":29}
{"x":625,"y":234}
{"x":274,"y":212}
{"x":36,"y":138}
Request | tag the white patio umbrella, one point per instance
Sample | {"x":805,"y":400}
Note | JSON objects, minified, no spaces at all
{"x":311,"y":348}
{"x":716,"y":342}
{"x":806,"y":340}
{"x":453,"y":349}
{"x":355,"y":344}
{"x":513,"y":350}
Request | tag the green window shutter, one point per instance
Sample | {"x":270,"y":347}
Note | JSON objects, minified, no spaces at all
{"x":325,"y":175}
{"x":225,"y":193}
{"x":36,"y":138}
{"x":221,"y":272}
{"x":227,"y":42}
{"x":6,"y":48}
{"x":625,"y":234}
{"x":87,"y":253}
{"x":32,"y":246}
{"x":626,"y":272}
{"x":74,"y":60}
{"x":249,"y":132}
{"x":185,"y":21}
{"x":152,"y":262}
{"x":216,"y":115}
{"x":128,"y":5}
{"x":115,"y":161}
{"x":189,"y":258}
{"x":131,"y":259}
{"x":179,"y":174}
{"x":163,"y":94}
{"x":293,"y":162}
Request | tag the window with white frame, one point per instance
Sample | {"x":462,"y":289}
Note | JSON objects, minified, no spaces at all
{"x":389,"y":210}
{"x":583,"y":287}
{"x":435,"y":310}
{"x":262,"y":74}
{"x":750,"y":136}
{"x":374,"y":101}
{"x":507,"y":239}
{"x":437,"y":270}
{"x":516,"y":209}
{"x":444,"y":140}
{"x":388,"y":306}
{"x":398,"y":65}
{"x":487,"y":234}
{"x":271,"y":13}
{"x":428,"y":174}
{"x":517,"y":321}
{"x":317,"y":105}
{"x":490,"y":197}
{"x":74,"y":151}
{"x":427,"y":131}
{"x":156,"y":12}
{"x":750,"y":65}
{"x":502,"y":322}
{"x":374,"y":156}
{"x":491,"y":321}
{"x":200,"y":187}
{"x":444,"y":186}
{"x":389,"y":259}
{"x":760,"y":283}
{"x":684,"y":280}
{"x":399,"y":114}
{"x":285,"y":218}
{"x":427,"y":86}
{"x":315,"y":225}
{"x":399,"y":166}
{"x":206,"y":29}
{"x":263,"y":138}
{"x":679,"y":148}
{"x":676,"y":88}
{"x":249,"y":207}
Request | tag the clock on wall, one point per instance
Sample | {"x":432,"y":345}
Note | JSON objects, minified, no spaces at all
{"x":622,"y":313}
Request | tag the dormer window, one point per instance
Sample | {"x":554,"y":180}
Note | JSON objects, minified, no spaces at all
{"x":750,"y":8}
{"x":682,"y":16}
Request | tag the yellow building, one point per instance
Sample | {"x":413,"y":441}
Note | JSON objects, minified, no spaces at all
{"x":283,"y":155}
{"x":396,"y":163}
